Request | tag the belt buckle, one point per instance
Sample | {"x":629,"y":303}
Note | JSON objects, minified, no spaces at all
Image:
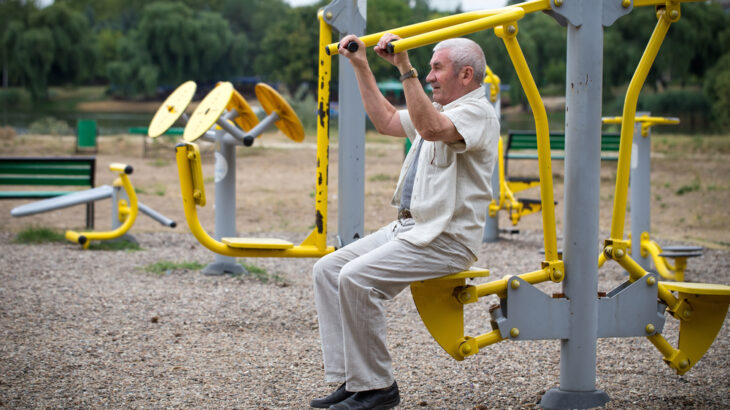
{"x":404,"y":214}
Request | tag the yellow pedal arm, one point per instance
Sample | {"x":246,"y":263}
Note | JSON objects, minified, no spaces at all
{"x":440,"y":303}
{"x":84,"y":238}
{"x":703,"y":309}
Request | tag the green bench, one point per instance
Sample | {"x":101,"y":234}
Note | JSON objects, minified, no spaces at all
{"x":146,"y":148}
{"x":523,"y":145}
{"x":47,"y":172}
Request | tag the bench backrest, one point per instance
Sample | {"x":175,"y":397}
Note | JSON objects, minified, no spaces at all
{"x":50,"y":171}
{"x":527,"y":140}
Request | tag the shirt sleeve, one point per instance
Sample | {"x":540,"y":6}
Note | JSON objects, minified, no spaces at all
{"x":473,"y":121}
{"x":408,"y":127}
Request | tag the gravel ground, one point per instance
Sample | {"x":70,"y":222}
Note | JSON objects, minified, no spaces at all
{"x":93,"y":329}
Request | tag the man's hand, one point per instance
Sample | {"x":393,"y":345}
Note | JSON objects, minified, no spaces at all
{"x":400,"y":60}
{"x":358,"y":58}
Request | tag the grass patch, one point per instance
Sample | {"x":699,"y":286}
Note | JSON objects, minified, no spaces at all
{"x":167,"y":267}
{"x":262,"y":275}
{"x":692,"y":187}
{"x":35,"y":234}
{"x":382,"y":178}
{"x":118,"y":245}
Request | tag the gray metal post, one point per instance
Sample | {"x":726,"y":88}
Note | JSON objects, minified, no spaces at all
{"x":225,"y":205}
{"x":584,"y":74}
{"x":348,"y":17}
{"x":640,"y":192}
{"x":491,"y":226}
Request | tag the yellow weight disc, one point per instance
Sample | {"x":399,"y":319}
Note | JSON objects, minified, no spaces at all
{"x":171,"y":110}
{"x":288,"y":123}
{"x":246,"y":118}
{"x":208,"y":111}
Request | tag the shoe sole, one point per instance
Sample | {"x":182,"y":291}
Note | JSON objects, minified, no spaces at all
{"x":388,"y":405}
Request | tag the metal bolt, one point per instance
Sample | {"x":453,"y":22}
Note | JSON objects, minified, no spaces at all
{"x":674,"y":14}
{"x":328,"y":15}
{"x":514,"y":332}
{"x":683,"y":364}
{"x":465,"y":349}
{"x":191,"y":155}
{"x":515,"y":284}
{"x":649,"y":328}
{"x":558,"y":3}
{"x":687,"y":313}
{"x":650,"y":281}
{"x":511,"y":29}
{"x":626,"y":3}
{"x":619,"y":253}
{"x":558,"y":275}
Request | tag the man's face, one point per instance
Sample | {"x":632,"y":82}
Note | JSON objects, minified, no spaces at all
{"x":445,"y":82}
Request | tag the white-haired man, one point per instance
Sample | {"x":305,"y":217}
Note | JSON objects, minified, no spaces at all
{"x":442,"y":197}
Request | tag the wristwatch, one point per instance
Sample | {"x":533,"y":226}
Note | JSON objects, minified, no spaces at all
{"x":412,"y":73}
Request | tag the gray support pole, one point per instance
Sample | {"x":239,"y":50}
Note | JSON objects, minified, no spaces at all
{"x":225,"y":205}
{"x":491,"y":226}
{"x":348,"y":17}
{"x":582,"y":178}
{"x":640,"y":192}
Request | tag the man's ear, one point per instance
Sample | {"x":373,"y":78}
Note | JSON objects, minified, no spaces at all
{"x":467,"y":74}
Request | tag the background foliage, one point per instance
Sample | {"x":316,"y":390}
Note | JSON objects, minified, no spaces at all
{"x":143,"y":48}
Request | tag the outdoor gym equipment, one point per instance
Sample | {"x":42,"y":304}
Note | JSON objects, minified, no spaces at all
{"x":211,"y":111}
{"x":578,"y":317}
{"x":645,"y":250}
{"x":125,"y":207}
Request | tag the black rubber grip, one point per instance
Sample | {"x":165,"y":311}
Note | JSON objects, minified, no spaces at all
{"x":390,"y":49}
{"x":351,"y":46}
{"x":248,"y":141}
{"x":128,"y":170}
{"x":82,"y":239}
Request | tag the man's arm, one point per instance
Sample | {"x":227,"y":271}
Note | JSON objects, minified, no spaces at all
{"x":431,"y":124}
{"x":382,"y":113}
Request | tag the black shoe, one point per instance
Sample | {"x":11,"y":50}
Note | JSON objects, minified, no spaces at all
{"x":380,"y":399}
{"x":337,"y":396}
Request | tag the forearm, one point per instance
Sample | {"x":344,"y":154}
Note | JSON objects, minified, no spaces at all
{"x":378,"y":108}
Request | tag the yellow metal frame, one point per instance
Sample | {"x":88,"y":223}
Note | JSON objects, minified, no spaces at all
{"x":507,"y":190}
{"x":494,"y":81}
{"x":193,"y":191}
{"x":127,"y":212}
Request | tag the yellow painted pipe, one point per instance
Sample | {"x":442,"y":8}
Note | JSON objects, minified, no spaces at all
{"x":323,"y":115}
{"x":627,"y":123}
{"x":506,"y":15}
{"x":489,"y":338}
{"x":508,"y":34}
{"x":636,"y":272}
{"x":85,"y":238}
{"x":654,"y":250}
{"x":499,"y":287}
{"x":191,"y":216}
{"x":494,"y":84}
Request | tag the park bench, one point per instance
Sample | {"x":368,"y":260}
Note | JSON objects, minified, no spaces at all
{"x":47,"y":172}
{"x":147,"y":146}
{"x":522,"y":145}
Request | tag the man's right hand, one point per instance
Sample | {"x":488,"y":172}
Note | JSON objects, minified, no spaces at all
{"x":356,"y":58}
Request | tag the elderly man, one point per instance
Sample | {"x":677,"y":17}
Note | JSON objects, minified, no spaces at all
{"x":442,"y":197}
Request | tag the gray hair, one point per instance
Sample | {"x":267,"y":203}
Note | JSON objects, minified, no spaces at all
{"x":465,"y":52}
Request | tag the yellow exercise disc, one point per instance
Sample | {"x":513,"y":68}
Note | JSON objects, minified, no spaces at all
{"x":171,"y":110}
{"x":246,"y":118}
{"x":288,"y":123}
{"x":208,"y":111}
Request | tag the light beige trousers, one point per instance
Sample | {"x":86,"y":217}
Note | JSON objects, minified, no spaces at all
{"x":350,"y":287}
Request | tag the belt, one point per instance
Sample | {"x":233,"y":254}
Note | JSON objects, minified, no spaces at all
{"x":404,"y":214}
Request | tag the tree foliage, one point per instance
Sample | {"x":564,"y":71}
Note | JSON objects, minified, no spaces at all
{"x":139,"y":45}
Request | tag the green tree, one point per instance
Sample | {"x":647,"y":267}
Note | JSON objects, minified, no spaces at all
{"x":50,"y":46}
{"x":171,"y":44}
